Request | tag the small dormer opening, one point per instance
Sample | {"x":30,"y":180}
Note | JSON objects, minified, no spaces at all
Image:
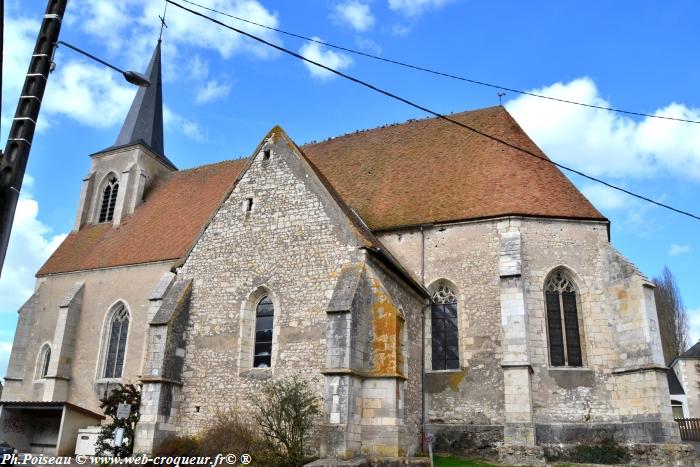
{"x":266,"y":155}
{"x":248,"y":205}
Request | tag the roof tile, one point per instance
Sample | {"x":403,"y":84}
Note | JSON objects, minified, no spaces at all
{"x":419,"y":172}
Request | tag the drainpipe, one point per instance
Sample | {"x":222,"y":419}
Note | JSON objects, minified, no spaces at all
{"x":422,"y":343}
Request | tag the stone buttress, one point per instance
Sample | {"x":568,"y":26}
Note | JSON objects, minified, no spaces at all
{"x":366,"y":369}
{"x":163,"y":362}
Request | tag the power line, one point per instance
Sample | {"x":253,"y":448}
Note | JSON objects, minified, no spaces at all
{"x":439,"y":73}
{"x":436,"y":114}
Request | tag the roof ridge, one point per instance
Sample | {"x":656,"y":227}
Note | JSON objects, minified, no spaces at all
{"x":395,"y":124}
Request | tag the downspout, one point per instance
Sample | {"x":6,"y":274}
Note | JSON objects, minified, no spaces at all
{"x":422,"y":343}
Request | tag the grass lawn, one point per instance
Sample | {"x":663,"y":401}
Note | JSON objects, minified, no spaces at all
{"x":440,"y":461}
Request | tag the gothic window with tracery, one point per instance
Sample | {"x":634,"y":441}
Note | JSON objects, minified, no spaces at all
{"x":264,"y":316}
{"x":109,"y":200}
{"x":562,"y":321}
{"x":444,"y":330}
{"x":116,"y":344}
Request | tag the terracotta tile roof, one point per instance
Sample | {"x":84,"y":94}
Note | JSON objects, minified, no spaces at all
{"x":164,"y":227}
{"x":414,"y":173}
{"x":431,"y":170}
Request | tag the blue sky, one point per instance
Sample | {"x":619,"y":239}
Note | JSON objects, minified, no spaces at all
{"x":223,"y":93}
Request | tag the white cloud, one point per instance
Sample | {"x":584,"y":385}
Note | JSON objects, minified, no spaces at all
{"x":399,"y":30}
{"x":31,"y":243}
{"x":604,"y":198}
{"x":20,"y":35}
{"x":212,"y":90}
{"x":91,"y":94}
{"x":187,"y":29}
{"x":416,"y":7}
{"x":199,"y":69}
{"x":192,"y":130}
{"x":98,"y":97}
{"x":369,"y":45}
{"x":329,"y":58}
{"x":126,"y":22}
{"x":677,"y":250}
{"x":600,"y":142}
{"x":189,"y":128}
{"x":354,"y":13}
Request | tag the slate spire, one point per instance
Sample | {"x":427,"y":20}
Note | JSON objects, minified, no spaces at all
{"x":144,"y":122}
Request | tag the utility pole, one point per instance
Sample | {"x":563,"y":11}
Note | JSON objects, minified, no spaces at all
{"x":19,"y":141}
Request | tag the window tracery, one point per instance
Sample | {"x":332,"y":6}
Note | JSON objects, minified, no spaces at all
{"x":444,"y":330}
{"x":562,"y":321}
{"x":116,"y":344}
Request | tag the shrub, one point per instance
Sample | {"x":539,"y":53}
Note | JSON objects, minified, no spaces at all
{"x":177,"y":446}
{"x":607,"y":451}
{"x":285,"y":411}
{"x":232,"y":433}
{"x":123,"y":394}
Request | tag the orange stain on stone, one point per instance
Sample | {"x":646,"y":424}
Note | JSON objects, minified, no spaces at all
{"x":388,"y":328}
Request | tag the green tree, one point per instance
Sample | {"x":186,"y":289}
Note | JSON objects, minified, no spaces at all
{"x":673,"y":319}
{"x":123,"y":394}
{"x":286,"y":411}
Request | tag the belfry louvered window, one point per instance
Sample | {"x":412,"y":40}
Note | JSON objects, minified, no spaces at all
{"x":264,"y":316}
{"x":443,"y":322}
{"x":109,"y":200}
{"x":562,"y":321}
{"x":116,"y":345}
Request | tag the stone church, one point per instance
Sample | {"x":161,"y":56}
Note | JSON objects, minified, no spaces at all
{"x":427,"y":279}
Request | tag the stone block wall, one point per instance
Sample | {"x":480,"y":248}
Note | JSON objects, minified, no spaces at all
{"x":39,"y":317}
{"x":465,"y":257}
{"x":618,"y":327}
{"x":291,"y":244}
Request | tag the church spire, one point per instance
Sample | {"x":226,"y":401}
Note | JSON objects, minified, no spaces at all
{"x":144,"y":122}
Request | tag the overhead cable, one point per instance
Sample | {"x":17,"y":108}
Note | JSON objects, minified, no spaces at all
{"x":436,"y":114}
{"x":439,"y":73}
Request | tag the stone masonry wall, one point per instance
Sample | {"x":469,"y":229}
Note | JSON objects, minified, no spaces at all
{"x":102,"y":288}
{"x":619,"y":329}
{"x":612,"y":299}
{"x":291,"y":246}
{"x":466,"y":257}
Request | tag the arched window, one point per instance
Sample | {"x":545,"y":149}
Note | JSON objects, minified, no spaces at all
{"x":116,"y":344}
{"x":264,"y":315}
{"x":562,"y":321}
{"x":443,"y":322}
{"x":43,"y":361}
{"x":109,"y":200}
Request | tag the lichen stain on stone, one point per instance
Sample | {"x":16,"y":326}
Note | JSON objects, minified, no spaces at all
{"x":456,"y":379}
{"x":623,"y":301}
{"x":387,"y":325}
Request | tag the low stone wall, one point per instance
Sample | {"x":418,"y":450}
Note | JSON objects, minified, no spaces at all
{"x":572,"y":433}
{"x":466,"y":440}
{"x":661,"y":455}
{"x":373,"y":462}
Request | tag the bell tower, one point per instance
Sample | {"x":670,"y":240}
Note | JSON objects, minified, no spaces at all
{"x":120,"y":174}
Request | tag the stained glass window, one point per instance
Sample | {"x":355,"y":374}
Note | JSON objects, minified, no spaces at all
{"x":562,"y":321}
{"x":264,"y":315}
{"x":116,"y":345}
{"x":445,"y":331}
